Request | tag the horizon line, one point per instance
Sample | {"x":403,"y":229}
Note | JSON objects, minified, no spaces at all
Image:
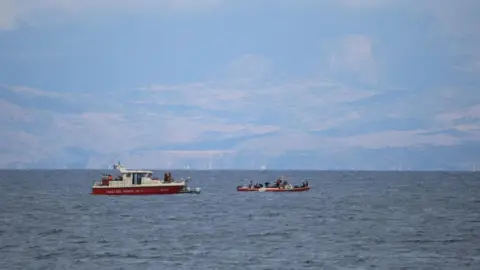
{"x":255,"y":170}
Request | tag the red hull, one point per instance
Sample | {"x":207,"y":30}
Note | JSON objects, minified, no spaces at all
{"x":274,"y":189}
{"x":155,"y":190}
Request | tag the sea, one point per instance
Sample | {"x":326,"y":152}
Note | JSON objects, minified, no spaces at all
{"x":348,"y":220}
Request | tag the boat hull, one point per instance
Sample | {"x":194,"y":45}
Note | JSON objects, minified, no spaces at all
{"x":270,"y":189}
{"x":191,"y":190}
{"x":148,"y":190}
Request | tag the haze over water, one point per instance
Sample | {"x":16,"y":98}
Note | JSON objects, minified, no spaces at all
{"x":357,"y":220}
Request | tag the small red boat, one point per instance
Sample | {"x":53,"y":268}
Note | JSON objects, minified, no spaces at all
{"x":281,"y":185}
{"x":274,"y":189}
{"x":140,"y":182}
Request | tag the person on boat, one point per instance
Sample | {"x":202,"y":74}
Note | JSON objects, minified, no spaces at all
{"x":267,"y":184}
{"x":110,"y":177}
{"x":165,"y":177}
{"x":170,"y":179}
{"x":277,"y":184}
{"x":250,"y":185}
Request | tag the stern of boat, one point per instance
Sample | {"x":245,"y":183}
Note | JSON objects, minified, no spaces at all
{"x":187,"y":189}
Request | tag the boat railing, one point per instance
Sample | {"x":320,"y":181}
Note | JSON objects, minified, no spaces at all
{"x":187,"y":179}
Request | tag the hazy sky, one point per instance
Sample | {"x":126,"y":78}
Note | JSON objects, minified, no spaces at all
{"x":240,"y":84}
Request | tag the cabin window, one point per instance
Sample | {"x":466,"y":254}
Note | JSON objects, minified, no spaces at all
{"x":137,"y":179}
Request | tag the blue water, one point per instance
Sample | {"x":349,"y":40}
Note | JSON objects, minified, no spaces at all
{"x":349,"y":220}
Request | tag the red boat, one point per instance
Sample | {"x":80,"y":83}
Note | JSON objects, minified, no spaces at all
{"x":140,"y":182}
{"x":274,"y":189}
{"x":281,"y":185}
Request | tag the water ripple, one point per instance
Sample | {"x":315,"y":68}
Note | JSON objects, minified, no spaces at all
{"x":348,"y":220}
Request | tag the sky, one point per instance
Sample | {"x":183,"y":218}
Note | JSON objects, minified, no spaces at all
{"x":285,"y":84}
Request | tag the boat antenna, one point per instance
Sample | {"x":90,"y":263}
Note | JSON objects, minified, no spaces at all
{"x":118,"y":165}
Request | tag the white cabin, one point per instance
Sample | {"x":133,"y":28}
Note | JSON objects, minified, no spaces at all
{"x":132,"y":178}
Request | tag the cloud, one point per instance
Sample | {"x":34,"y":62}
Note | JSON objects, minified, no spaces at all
{"x":282,"y":142}
{"x":14,"y":11}
{"x":109,"y":133}
{"x":20,"y":147}
{"x":408,"y":118}
{"x":269,"y":118}
{"x":355,"y":55}
{"x":366,"y":3}
{"x":249,"y":66}
{"x":237,"y":107}
{"x":19,"y":142}
{"x":454,"y":18}
{"x":457,"y":118}
{"x":163,"y":159}
{"x":34,"y":92}
{"x":43,"y":100}
{"x":456,"y":25}
{"x":246,"y":96}
{"x":457,"y":29}
{"x":112,"y":134}
{"x":279,"y":92}
{"x":394,"y":139}
{"x":8,"y":14}
{"x":286,"y":141}
{"x":13,"y":113}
